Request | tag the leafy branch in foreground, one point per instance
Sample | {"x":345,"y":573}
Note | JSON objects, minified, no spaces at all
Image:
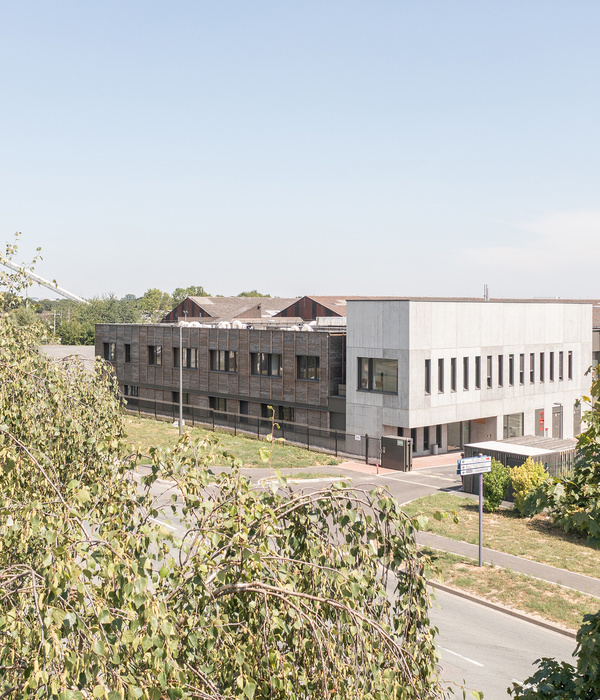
{"x":247,"y":593}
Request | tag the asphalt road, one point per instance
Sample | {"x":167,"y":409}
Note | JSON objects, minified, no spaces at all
{"x":487,"y":649}
{"x":481,"y":648}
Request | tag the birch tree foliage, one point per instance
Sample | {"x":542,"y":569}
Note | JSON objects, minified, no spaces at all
{"x":247,"y":594}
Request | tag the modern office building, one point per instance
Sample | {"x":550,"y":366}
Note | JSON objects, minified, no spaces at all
{"x":451,"y":371}
{"x":445,"y":372}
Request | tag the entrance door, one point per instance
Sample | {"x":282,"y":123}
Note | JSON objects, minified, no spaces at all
{"x":557,"y":421}
{"x":576,"y":419}
{"x":459,"y":434}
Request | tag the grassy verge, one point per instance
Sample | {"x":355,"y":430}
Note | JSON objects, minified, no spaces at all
{"x":530,"y":538}
{"x":148,"y":432}
{"x":514,"y":590}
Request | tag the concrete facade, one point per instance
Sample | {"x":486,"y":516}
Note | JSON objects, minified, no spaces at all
{"x":552,"y":340}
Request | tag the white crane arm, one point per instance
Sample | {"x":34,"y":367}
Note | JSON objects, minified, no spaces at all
{"x":40,"y":280}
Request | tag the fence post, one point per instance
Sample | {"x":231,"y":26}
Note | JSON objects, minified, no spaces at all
{"x":258,"y":428}
{"x":367,"y":448}
{"x":213,"y":417}
{"x":154,"y":409}
{"x":235,"y":424}
{"x":336,"y":439}
{"x":308,"y":438}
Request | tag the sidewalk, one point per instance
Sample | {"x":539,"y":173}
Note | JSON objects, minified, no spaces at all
{"x":427,"y":462}
{"x":578,"y":582}
{"x":562,"y":577}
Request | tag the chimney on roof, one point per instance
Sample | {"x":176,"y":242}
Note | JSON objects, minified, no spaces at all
{"x":486,"y":293}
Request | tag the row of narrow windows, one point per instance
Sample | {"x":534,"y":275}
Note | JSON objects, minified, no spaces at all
{"x":523,"y":368}
{"x":261,"y":363}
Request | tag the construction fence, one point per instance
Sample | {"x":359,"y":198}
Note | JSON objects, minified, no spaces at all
{"x":360,"y":448}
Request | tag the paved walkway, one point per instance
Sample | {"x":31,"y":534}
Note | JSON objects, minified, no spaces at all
{"x":444,"y":460}
{"x":578,"y":582}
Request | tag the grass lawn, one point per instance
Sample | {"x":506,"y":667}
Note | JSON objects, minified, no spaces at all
{"x":148,"y":432}
{"x":530,"y":538}
{"x":560,"y":605}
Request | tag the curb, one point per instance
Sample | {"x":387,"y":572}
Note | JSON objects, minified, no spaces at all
{"x":501,"y":608}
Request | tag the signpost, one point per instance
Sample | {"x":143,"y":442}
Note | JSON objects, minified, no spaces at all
{"x":476,"y":465}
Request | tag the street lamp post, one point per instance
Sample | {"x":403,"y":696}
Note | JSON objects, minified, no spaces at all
{"x":180,"y":379}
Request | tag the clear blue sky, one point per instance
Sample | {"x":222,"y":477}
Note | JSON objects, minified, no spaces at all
{"x":329,"y":147}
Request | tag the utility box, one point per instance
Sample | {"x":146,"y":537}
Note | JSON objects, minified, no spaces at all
{"x":396,"y":453}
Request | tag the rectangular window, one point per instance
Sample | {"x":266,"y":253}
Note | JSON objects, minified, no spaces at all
{"x":110,"y":351}
{"x":513,"y":425}
{"x":307,"y":367}
{"x":452,"y":375}
{"x":542,"y":367}
{"x":428,"y":376}
{"x":531,"y":367}
{"x":127,"y":352}
{"x":378,"y":374}
{"x":426,"y":437}
{"x":175,"y":398}
{"x":129,"y":390}
{"x":217,"y":403}
{"x":282,"y":413}
{"x":220,"y":360}
{"x":438,"y":435}
{"x":500,"y":370}
{"x":489,"y":372}
{"x":521,"y":369}
{"x":551,"y":368}
{"x":570,"y":365}
{"x":175,"y":357}
{"x":441,"y":376}
{"x":478,"y":372}
{"x":363,"y":373}
{"x":266,"y":364}
{"x":155,"y":354}
{"x":190,"y":358}
{"x":561,"y":363}
{"x":465,"y":373}
{"x":511,"y":370}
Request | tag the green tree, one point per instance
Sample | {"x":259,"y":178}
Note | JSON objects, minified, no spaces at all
{"x":253,"y":293}
{"x":182,"y":293}
{"x":154,"y":305}
{"x":262,"y":594}
{"x":495,"y":485}
{"x":13,"y":282}
{"x":573,"y":502}
{"x":525,"y":479}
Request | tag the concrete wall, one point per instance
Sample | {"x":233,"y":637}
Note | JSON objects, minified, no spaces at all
{"x":412,"y":331}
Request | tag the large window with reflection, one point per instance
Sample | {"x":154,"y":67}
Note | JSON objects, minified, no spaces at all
{"x":378,"y":374}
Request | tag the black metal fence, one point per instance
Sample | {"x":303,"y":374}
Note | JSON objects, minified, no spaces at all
{"x":363,"y":448}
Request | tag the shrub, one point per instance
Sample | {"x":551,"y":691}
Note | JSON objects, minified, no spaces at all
{"x":495,"y":486}
{"x":525,"y":478}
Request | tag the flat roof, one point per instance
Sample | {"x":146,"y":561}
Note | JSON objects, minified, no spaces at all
{"x":527,"y":445}
{"x":480,"y":300}
{"x":511,"y":449}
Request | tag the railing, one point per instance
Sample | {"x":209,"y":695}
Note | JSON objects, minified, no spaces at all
{"x":362,"y":448}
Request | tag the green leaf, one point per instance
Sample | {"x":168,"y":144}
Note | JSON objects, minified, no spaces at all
{"x":83,"y":495}
{"x":249,"y":689}
{"x":58,"y":616}
{"x":98,"y":691}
